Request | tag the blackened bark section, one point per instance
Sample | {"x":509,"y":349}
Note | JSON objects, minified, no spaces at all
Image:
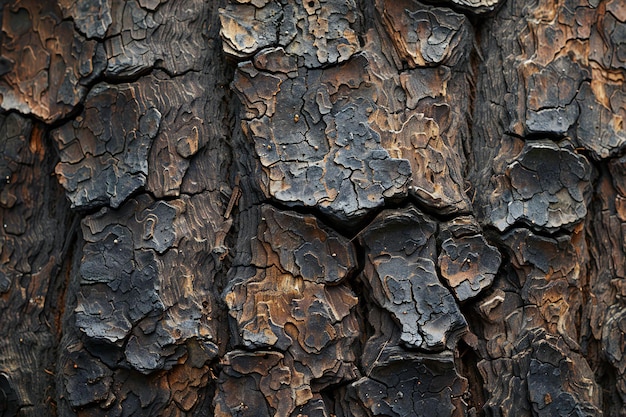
{"x":537,"y":154}
{"x":320,"y":208}
{"x":36,"y":235}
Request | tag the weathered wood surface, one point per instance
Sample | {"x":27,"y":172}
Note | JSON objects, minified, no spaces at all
{"x":312,"y":208}
{"x":46,"y":64}
{"x":36,"y":241}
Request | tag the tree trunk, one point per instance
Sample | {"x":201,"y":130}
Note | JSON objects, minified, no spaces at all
{"x":312,"y":208}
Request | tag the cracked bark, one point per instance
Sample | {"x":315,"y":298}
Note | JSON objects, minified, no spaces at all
{"x":312,"y":208}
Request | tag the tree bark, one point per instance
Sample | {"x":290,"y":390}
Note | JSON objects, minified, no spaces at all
{"x":312,"y":208}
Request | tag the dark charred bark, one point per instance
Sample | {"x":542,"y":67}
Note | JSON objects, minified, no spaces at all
{"x":312,"y":208}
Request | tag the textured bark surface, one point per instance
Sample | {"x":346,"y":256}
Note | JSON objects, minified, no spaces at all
{"x":326,"y":208}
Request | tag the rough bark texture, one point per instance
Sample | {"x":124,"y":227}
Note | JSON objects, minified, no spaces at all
{"x":325,"y":208}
